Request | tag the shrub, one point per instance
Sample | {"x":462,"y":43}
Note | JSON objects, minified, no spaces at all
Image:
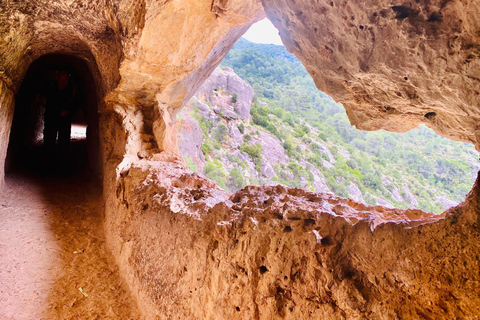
{"x":288,"y":146}
{"x":289,"y":119}
{"x":306,"y":139}
{"x":263,"y":122}
{"x":205,"y":125}
{"x":214,"y":170}
{"x":241,"y":128}
{"x":322,"y":136}
{"x":191,"y":164}
{"x":220,"y":132}
{"x":298,"y":132}
{"x":206,"y":148}
{"x":236,"y":180}
{"x":273,"y":130}
{"x":258,"y":165}
{"x":334,"y":150}
{"x":253,"y":150}
{"x":234,"y":97}
{"x":305,"y":128}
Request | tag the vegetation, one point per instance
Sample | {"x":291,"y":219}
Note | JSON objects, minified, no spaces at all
{"x":379,"y":163}
{"x":407,"y":170}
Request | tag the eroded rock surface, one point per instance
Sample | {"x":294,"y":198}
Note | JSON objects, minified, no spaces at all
{"x":226,"y":80}
{"x":393,"y":64}
{"x":188,"y":250}
{"x":276,"y":252}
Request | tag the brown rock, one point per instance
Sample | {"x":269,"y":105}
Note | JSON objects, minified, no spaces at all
{"x":393,"y":65}
{"x":190,"y":250}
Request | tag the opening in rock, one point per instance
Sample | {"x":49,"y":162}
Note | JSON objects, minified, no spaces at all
{"x":72,"y":127}
{"x":260,"y":120}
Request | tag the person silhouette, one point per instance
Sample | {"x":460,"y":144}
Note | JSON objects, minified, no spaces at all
{"x":59,"y":109}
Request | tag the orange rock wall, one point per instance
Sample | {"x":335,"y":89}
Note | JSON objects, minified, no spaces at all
{"x":188,"y":250}
{"x":393,"y":64}
{"x":194,"y":252}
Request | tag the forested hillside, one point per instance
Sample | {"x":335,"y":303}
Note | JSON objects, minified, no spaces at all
{"x":298,"y":136}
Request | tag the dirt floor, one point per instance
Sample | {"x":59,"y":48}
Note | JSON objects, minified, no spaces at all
{"x":53,"y":260}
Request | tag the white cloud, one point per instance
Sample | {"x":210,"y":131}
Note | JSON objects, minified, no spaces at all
{"x":263,"y":32}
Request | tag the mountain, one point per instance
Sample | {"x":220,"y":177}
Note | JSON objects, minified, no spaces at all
{"x":259,"y":119}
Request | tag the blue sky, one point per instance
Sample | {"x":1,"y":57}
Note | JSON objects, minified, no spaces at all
{"x":263,"y":32}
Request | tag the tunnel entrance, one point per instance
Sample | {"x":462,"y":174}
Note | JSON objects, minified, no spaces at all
{"x":27,"y":150}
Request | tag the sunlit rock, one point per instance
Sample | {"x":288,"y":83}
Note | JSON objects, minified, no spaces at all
{"x":189,"y":250}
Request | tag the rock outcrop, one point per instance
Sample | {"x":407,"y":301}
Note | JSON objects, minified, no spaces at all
{"x":275,"y":252}
{"x":240,"y":93}
{"x":188,"y":250}
{"x":212,"y":105}
{"x":190,"y":142}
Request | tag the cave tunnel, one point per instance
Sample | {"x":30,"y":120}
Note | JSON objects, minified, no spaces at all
{"x":27,"y":152}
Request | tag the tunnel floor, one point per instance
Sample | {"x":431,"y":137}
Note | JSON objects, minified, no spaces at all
{"x":51,"y":245}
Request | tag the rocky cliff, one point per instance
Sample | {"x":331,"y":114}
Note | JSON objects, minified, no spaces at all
{"x":216,"y":140}
{"x":244,"y":154}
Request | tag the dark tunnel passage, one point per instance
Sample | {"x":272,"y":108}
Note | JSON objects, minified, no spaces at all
{"x":28,"y":150}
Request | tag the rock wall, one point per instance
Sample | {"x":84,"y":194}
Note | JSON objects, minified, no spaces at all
{"x":228,"y":80}
{"x":6,"y":115}
{"x":195,"y":252}
{"x":393,"y":64}
{"x":188,"y":250}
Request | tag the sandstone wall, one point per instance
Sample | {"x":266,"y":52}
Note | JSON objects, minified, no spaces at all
{"x":7,"y":105}
{"x":190,"y":251}
{"x":393,"y":64}
{"x":279,"y":253}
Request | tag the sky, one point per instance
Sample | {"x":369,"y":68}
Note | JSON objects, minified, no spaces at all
{"x":263,"y":32}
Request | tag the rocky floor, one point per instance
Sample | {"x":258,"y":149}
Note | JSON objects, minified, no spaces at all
{"x":53,"y":260}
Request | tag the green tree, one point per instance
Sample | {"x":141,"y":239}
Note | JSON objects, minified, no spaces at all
{"x":214,"y":171}
{"x":220,"y":132}
{"x":235,"y":180}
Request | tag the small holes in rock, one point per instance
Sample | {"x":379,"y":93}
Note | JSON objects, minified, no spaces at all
{"x":237,"y":199}
{"x":309,"y":222}
{"x":402,"y":12}
{"x":361,"y":27}
{"x":331,"y":4}
{"x":237,"y":308}
{"x":405,"y":78}
{"x":435,"y":17}
{"x":263,"y":269}
{"x":430,"y":115}
{"x":326,"y":241}
{"x":287,"y":229}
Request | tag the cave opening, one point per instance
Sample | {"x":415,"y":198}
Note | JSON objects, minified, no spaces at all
{"x":260,"y":120}
{"x":27,"y":151}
